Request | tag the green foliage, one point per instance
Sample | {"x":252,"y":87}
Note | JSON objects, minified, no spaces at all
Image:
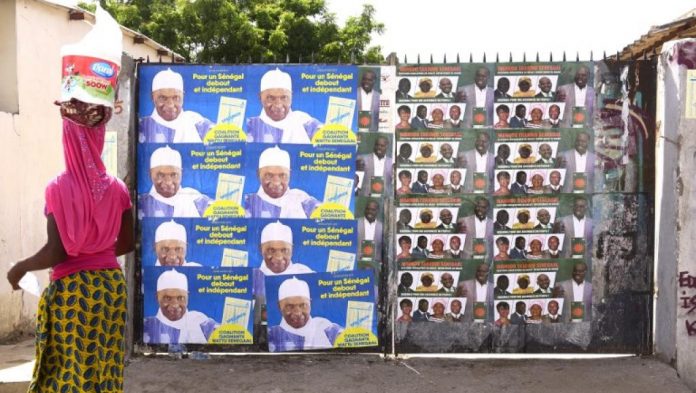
{"x":228,"y":31}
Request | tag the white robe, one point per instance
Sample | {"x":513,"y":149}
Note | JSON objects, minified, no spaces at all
{"x":183,"y":201}
{"x":293,"y":126}
{"x":189,"y":326}
{"x":313,"y":332}
{"x":293,"y":268}
{"x":290,"y":203}
{"x":184,"y":126}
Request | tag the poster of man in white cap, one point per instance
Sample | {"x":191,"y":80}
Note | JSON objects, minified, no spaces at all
{"x":277,"y":122}
{"x":276,"y":249}
{"x":302,"y":246}
{"x":321,"y":310}
{"x":166,"y":197}
{"x":169,"y":122}
{"x":275,"y":198}
{"x":197,"y":305}
{"x":171,"y":246}
{"x":324,"y":173}
{"x":298,"y":330}
{"x":174,"y":323}
{"x":287,"y":104}
{"x":190,"y":242}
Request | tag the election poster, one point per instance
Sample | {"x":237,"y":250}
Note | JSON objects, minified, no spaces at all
{"x":194,"y":242}
{"x":302,"y":246}
{"x":453,"y":281}
{"x":370,"y":225}
{"x":387,"y":102}
{"x":443,"y":162}
{"x":299,"y":181}
{"x":375,"y":98}
{"x":444,"y":96}
{"x":561,"y":288}
{"x":253,"y":167}
{"x":191,"y":180}
{"x":495,"y":170}
{"x":294,"y":104}
{"x":321,"y":311}
{"x":544,"y":95}
{"x":374,"y":165}
{"x":197,"y":305}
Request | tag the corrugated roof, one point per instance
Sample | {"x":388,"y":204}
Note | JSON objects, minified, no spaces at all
{"x":650,"y":44}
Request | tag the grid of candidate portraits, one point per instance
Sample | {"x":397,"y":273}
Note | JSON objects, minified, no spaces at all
{"x":254,"y":227}
{"x":495,"y":168}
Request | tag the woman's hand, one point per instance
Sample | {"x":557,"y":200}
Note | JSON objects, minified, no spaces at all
{"x":15,"y":274}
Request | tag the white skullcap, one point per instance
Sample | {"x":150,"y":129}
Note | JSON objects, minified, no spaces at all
{"x":293,"y":287}
{"x":170,"y":231}
{"x":274,"y":156}
{"x":165,"y":156}
{"x":276,"y":79}
{"x":171,"y":279}
{"x":168,"y":79}
{"x":276,"y":231}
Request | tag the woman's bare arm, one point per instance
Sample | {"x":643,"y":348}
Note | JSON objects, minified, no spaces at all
{"x":51,"y":254}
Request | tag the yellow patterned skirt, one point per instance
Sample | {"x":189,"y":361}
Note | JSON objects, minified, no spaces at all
{"x":79,"y":334}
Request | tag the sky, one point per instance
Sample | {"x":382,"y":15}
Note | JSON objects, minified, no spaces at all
{"x":449,"y":27}
{"x":452,"y":27}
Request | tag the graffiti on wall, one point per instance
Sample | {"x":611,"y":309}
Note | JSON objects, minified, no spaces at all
{"x":688,"y":302}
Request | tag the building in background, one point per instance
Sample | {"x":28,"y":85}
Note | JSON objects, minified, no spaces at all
{"x":30,"y":129}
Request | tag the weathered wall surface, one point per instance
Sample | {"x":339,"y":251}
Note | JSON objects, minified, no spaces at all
{"x":667,"y":150}
{"x":678,"y":271}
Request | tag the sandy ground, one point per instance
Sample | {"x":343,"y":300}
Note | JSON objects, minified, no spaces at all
{"x":368,"y":373}
{"x":361,"y":373}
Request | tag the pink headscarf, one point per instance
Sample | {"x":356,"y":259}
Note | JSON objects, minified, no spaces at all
{"x":85,"y":201}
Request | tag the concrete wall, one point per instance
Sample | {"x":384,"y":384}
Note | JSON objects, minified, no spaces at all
{"x":31,"y":141}
{"x":668,"y":119}
{"x":675,"y":330}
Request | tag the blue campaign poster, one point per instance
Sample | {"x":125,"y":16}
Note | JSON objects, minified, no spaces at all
{"x":307,"y":245}
{"x":197,"y":305}
{"x":201,"y":165}
{"x":190,"y":180}
{"x":194,"y":242}
{"x":321,"y":311}
{"x":318,"y":184}
{"x":218,"y":101}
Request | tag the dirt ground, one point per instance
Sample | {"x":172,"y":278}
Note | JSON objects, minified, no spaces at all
{"x":363,"y":373}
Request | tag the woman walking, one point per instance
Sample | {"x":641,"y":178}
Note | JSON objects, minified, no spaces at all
{"x":82,"y":312}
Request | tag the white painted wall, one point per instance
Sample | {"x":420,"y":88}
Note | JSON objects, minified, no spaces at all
{"x":31,"y":139}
